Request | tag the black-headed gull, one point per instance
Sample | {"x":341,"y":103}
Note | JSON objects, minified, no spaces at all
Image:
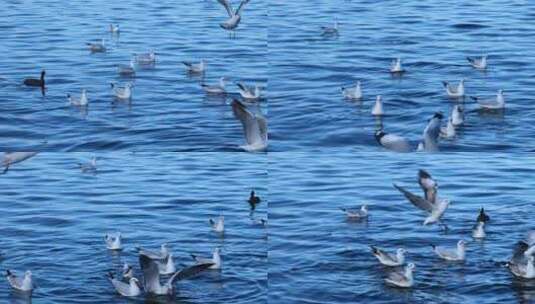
{"x":330,"y":30}
{"x":388,"y":259}
{"x":130,"y":289}
{"x":428,"y":184}
{"x":402,"y":279}
{"x":215,"y":259}
{"x":122,"y":92}
{"x":393,"y":142}
{"x":497,"y":104}
{"x":114,"y":241}
{"x":458,"y":254}
{"x":127,"y":70}
{"x":478,"y":63}
{"x":80,"y":102}
{"x":249,"y":93}
{"x":377,"y":109}
{"x":164,"y":258}
{"x":97,"y":47}
{"x":454,"y":91}
{"x":145,"y":58}
{"x":197,"y":68}
{"x":356,"y":214}
{"x":395,"y":66}
{"x":435,"y":210}
{"x":352,"y":92}
{"x":218,"y":225}
{"x":218,"y":88}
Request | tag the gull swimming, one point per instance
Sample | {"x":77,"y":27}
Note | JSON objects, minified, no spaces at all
{"x":123,"y":93}
{"x":219,"y":225}
{"x":478,"y":232}
{"x":145,"y":58}
{"x":215,"y":260}
{"x":11,"y":158}
{"x":114,"y":28}
{"x":164,"y":259}
{"x":97,"y":47}
{"x":356,"y":214}
{"x":36,"y":82}
{"x":130,"y":289}
{"x":478,"y":63}
{"x":254,"y":127}
{"x":403,"y":279}
{"x":434,"y":209}
{"x":392,"y":142}
{"x":457,"y":115}
{"x":89,"y":167}
{"x":378,"y":107}
{"x":218,"y":88}
{"x":452,"y":255}
{"x":24,"y":285}
{"x":352,"y":92}
{"x":195,"y":67}
{"x":82,"y":101}
{"x":388,"y":259}
{"x":247,"y":92}
{"x":234,"y":16}
{"x":432,"y":133}
{"x":113,"y":242}
{"x":497,"y":104}
{"x":127,"y":70}
{"x":482,"y":216}
{"x":128,"y":271}
{"x":395,"y":66}
{"x":454,"y":91}
{"x":330,"y":30}
{"x":151,"y":276}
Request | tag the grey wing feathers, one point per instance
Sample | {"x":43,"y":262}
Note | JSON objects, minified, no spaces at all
{"x":189,"y":272}
{"x":227,"y":6}
{"x":242,"y":4}
{"x":416,"y":200}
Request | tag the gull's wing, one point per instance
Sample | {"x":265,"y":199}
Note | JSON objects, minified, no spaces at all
{"x":397,"y":275}
{"x":201,"y":260}
{"x":188,"y":272}
{"x":243,"y":87}
{"x":227,"y":6}
{"x":13,"y":280}
{"x":151,"y":273}
{"x":242,"y":4}
{"x":262,"y":125}
{"x":416,"y":200}
{"x":249,"y":121}
{"x":153,"y":255}
{"x":121,"y":287}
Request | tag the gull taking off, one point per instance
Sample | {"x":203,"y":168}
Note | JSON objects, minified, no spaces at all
{"x":11,"y":158}
{"x":352,"y":92}
{"x":356,"y":214}
{"x":123,"y":93}
{"x":164,"y":259}
{"x":248,"y":92}
{"x":432,"y":133}
{"x":254,"y":127}
{"x":378,"y":107}
{"x":218,"y":226}
{"x":497,"y":104}
{"x":402,"y":279}
{"x":113,"y":242}
{"x":216,"y":89}
{"x":82,"y":101}
{"x":388,"y":259}
{"x":130,"y":289}
{"x":215,"y":260}
{"x":452,"y":255}
{"x":454,"y":91}
{"x":196,"y":68}
{"x":97,"y":47}
{"x":392,"y":141}
{"x":25,"y":285}
{"x":478,"y":63}
{"x":434,"y":209}
{"x":234,"y":16}
{"x":395,"y":66}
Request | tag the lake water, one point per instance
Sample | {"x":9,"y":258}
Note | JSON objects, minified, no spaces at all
{"x":55,"y":219}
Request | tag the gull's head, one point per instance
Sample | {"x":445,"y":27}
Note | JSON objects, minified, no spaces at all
{"x":378,"y":98}
{"x":438,"y":115}
{"x":28,"y":274}
{"x":411,"y":266}
{"x":401,"y":251}
{"x":500,"y":92}
{"x":461,"y":243}
{"x":135,"y":281}
{"x":217,"y":250}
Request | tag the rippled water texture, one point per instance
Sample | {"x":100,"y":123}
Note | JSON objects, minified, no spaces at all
{"x":54,"y":219}
{"x":168,"y":112}
{"x":432,"y":38}
{"x":317,"y":256}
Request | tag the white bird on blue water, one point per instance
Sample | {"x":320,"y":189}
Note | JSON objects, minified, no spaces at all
{"x":218,"y":225}
{"x":356,"y":214}
{"x":80,"y":102}
{"x":24,"y":285}
{"x":392,"y":141}
{"x":378,"y":107}
{"x":454,"y":91}
{"x":395,"y":66}
{"x":114,"y":241}
{"x":215,"y":259}
{"x":458,"y":254}
{"x":130,"y":289}
{"x":254,"y":127}
{"x":195,"y":67}
{"x":97,"y":47}
{"x":497,"y":104}
{"x":388,"y":259}
{"x":218,"y":88}
{"x":123,"y":93}
{"x":478,"y":63}
{"x":352,"y":92}
{"x":402,"y":279}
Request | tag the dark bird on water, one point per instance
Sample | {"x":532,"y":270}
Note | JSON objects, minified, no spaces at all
{"x":34,"y":82}
{"x":253,"y":200}
{"x":482,"y":217}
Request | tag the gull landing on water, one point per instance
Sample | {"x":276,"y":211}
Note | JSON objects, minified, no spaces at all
{"x":497,"y":104}
{"x":164,"y":259}
{"x":434,"y":209}
{"x":218,"y":226}
{"x":254,"y":127}
{"x":234,"y":16}
{"x":388,"y":259}
{"x":402,"y":279}
{"x":11,"y":158}
{"x":130,"y":289}
{"x":215,"y":260}
{"x":81,"y":102}
{"x":352,"y":92}
{"x":452,"y":255}
{"x":454,"y":91}
{"x":25,"y":285}
{"x":249,"y":93}
{"x":216,"y":89}
{"x":356,"y":214}
{"x":113,"y":242}
{"x":395,"y":66}
{"x":478,"y":63}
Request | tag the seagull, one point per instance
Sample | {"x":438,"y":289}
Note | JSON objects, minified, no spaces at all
{"x":457,"y":115}
{"x":89,"y":167}
{"x":123,"y":93}
{"x":482,"y":216}
{"x":497,"y":104}
{"x":97,"y":47}
{"x":249,"y":93}
{"x":352,"y":92}
{"x":11,"y":158}
{"x":330,"y":30}
{"x":478,"y":63}
{"x":127,"y":70}
{"x":130,"y":289}
{"x":478,"y":232}
{"x":151,"y":276}
{"x":449,"y":130}
{"x":196,"y":68}
{"x":145,"y":58}
{"x":215,"y":89}
{"x":357,"y":214}
{"x":128,"y":271}
{"x":164,"y":259}
{"x":526,"y":271}
{"x":392,"y":142}
{"x":452,"y":255}
{"x":25,"y":285}
{"x":218,"y":226}
{"x":113,"y":242}
{"x":253,"y":200}
{"x":453,"y":91}
{"x":378,"y":107}
{"x":234,"y":16}
{"x":215,"y":260}
{"x":432,"y":133}
{"x":114,"y":28}
{"x":401,"y":279}
{"x":34,"y":82}
{"x":83,"y":101}
{"x":434,"y":209}
{"x":519,"y":261}
{"x":254,"y":127}
{"x":163,"y":254}
{"x":388,"y":259}
{"x":428,"y":184}
{"x":395,"y":66}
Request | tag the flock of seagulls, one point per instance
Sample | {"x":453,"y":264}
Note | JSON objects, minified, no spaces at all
{"x":400,"y":274}
{"x":124,"y":92}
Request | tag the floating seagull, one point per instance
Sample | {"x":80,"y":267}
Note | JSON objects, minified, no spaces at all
{"x":219,"y":88}
{"x":235,"y":16}
{"x":526,"y":271}
{"x":25,"y":285}
{"x":215,"y":260}
{"x":89,"y":167}
{"x":457,"y":115}
{"x":145,"y":58}
{"x":97,"y":47}
{"x":218,"y":226}
{"x":432,"y":133}
{"x":34,"y":82}
{"x":454,"y":91}
{"x":356,"y":214}
{"x":452,"y":255}
{"x":123,"y":93}
{"x":330,"y":30}
{"x":254,"y":127}
{"x":388,"y":259}
{"x":497,"y":104}
{"x":114,"y":28}
{"x":11,"y":158}
{"x":128,"y":271}
{"x":195,"y":67}
{"x":482,"y":216}
{"x":247,"y":92}
{"x":449,"y":130}
{"x":428,"y":184}
{"x":113,"y":242}
{"x":253,"y":200}
{"x":378,"y":107}
{"x":151,"y":276}
{"x":401,"y":279}
{"x":164,"y":259}
{"x":519,"y":262}
{"x":395,"y":66}
{"x":435,"y":209}
{"x":132,"y":289}
{"x":127,"y":70}
{"x":478,"y":232}
{"x":82,"y":101}
{"x":392,"y":142}
{"x":478,"y":63}
{"x":352,"y":92}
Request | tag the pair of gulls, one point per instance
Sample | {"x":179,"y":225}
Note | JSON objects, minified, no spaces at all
{"x":458,"y":91}
{"x":129,"y":70}
{"x":119,"y":92}
{"x":11,"y":158}
{"x":254,"y":127}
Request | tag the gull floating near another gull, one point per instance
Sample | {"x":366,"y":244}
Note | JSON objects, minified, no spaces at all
{"x":478,"y":63}
{"x":80,"y":102}
{"x":452,"y":255}
{"x":123,"y":93}
{"x":215,"y":260}
{"x":97,"y":47}
{"x":395,"y":66}
{"x":113,"y":242}
{"x":402,"y":279}
{"x":218,"y":88}
{"x":127,"y":70}
{"x":497,"y":104}
{"x":378,"y":107}
{"x":130,"y":289}
{"x":249,"y":93}
{"x":145,"y":58}
{"x":219,"y":225}
{"x":454,"y":91}
{"x":392,"y":141}
{"x":388,"y":259}
{"x":352,"y":92}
